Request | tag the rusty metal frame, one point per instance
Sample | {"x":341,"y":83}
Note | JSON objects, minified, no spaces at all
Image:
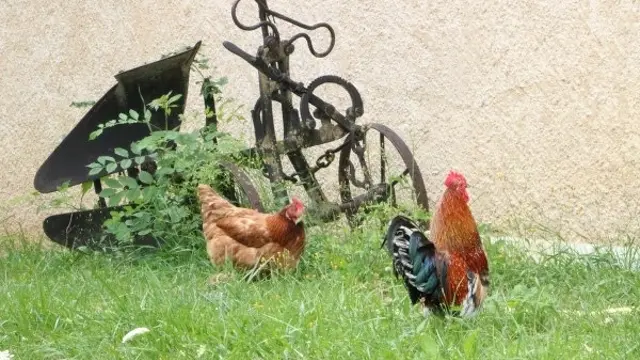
{"x":275,"y":84}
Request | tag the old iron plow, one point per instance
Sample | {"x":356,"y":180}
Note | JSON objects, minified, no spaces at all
{"x":315,"y":123}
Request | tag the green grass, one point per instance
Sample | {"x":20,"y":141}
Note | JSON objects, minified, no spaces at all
{"x":343,"y":302}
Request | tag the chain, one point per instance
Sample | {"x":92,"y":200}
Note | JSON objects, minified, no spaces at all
{"x":327,"y":158}
{"x":322,"y":162}
{"x":293,"y":177}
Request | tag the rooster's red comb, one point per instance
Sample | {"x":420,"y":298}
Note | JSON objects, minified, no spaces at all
{"x":297,"y":202}
{"x":455,"y":179}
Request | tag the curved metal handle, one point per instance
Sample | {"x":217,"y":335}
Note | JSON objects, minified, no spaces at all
{"x":263,"y":7}
{"x":310,"y":43}
{"x":268,"y":12}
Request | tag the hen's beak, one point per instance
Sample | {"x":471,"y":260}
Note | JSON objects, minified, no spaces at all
{"x":299,"y":219}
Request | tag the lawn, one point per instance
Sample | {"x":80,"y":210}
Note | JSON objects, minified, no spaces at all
{"x":342,"y":302}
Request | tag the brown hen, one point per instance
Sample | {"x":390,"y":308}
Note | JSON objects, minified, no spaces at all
{"x":245,"y":236}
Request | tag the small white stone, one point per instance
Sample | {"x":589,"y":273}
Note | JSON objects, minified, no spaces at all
{"x":133,"y":333}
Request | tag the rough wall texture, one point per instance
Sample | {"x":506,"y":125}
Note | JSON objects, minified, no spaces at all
{"x":535,"y":101}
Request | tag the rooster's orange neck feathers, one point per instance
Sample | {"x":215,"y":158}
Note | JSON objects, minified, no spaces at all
{"x":453,"y":226}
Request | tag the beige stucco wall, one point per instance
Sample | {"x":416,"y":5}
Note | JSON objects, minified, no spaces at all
{"x":537,"y":102}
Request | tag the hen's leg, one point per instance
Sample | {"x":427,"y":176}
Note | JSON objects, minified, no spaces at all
{"x":281,"y":256}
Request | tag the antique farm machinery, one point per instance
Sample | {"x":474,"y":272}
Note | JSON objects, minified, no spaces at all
{"x":315,"y":123}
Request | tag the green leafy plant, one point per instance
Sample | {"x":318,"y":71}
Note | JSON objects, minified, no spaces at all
{"x":156,"y":177}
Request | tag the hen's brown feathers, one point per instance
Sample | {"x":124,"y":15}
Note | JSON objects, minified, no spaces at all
{"x":214,"y":207}
{"x":246,"y":235}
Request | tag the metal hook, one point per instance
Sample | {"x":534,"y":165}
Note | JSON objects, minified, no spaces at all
{"x":268,"y":12}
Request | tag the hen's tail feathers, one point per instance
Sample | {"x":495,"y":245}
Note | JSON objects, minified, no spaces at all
{"x":415,"y":260}
{"x":210,"y":201}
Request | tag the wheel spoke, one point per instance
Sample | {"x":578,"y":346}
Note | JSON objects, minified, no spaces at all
{"x":395,"y":164}
{"x":404,"y":173}
{"x":383,"y":161}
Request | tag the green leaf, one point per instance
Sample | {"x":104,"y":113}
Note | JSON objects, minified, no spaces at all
{"x":144,"y":232}
{"x":174,"y":215}
{"x":149,"y":192}
{"x":107,"y":193}
{"x":139,"y":159}
{"x":174,"y":98}
{"x":129,"y":182}
{"x":172,"y":135}
{"x":103,"y":159}
{"x":123,"y":116}
{"x":95,"y":171}
{"x":134,"y":114}
{"x":86,"y":186}
{"x":122,"y":152}
{"x":115,"y":198}
{"x":163,"y":171}
{"x":94,"y":134}
{"x":135,"y":148}
{"x":125,"y":164}
{"x":145,"y":177}
{"x":133,"y":194}
{"x":111,"y":182}
{"x":111,"y":167}
{"x":94,"y":165}
{"x":147,"y":115}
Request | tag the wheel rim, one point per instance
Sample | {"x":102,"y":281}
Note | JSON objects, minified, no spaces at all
{"x":381,"y":177}
{"x":244,"y":185}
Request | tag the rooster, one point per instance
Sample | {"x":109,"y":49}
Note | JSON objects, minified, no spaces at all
{"x":245,"y":236}
{"x":449,"y":274}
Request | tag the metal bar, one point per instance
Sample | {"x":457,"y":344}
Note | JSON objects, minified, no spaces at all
{"x":285,"y":100}
{"x":267,"y":147}
{"x":97,"y":185}
{"x":262,"y":5}
{"x":209,"y":103}
{"x":307,"y":177}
